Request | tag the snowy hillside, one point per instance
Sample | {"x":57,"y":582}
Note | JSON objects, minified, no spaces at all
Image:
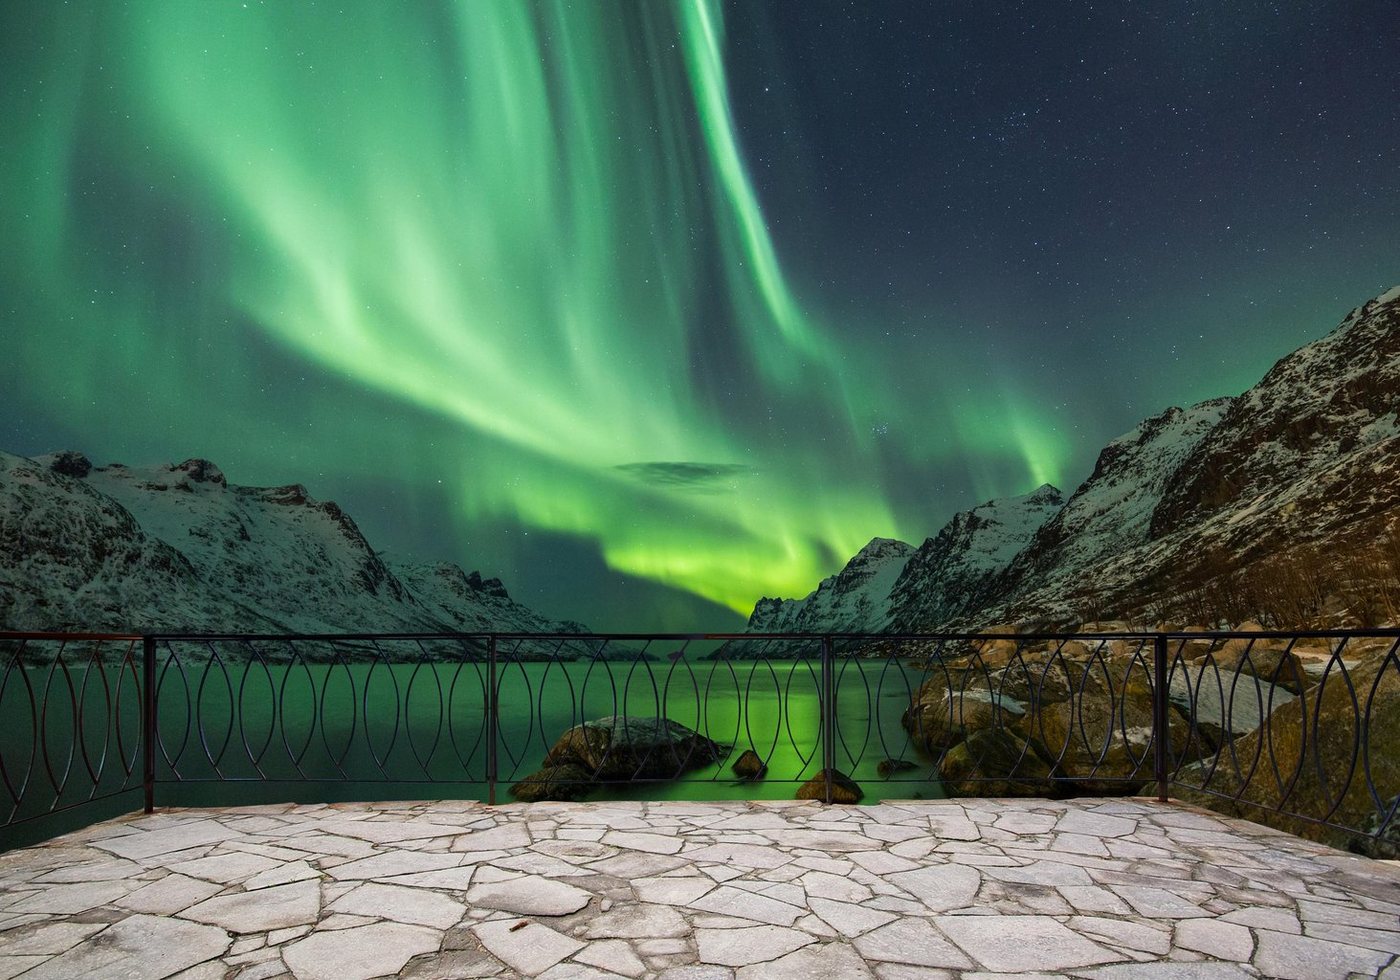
{"x":855,"y":600}
{"x":952,"y":571}
{"x":176,"y":547}
{"x":1300,"y":472}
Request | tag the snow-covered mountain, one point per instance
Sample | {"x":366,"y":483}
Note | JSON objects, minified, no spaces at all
{"x":1301,"y":469}
{"x":952,"y":572}
{"x":890,"y":586}
{"x":176,"y":547}
{"x":854,"y":600}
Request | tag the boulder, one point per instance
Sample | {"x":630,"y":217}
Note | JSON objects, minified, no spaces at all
{"x":617,"y":749}
{"x":560,"y":783}
{"x":889,"y":767}
{"x":844,"y":789}
{"x":1272,"y":663}
{"x":995,"y":762}
{"x":949,"y":705}
{"x":1102,"y":738}
{"x":620,"y":748}
{"x":1313,"y":758}
{"x":1085,"y":710}
{"x":750,"y":766}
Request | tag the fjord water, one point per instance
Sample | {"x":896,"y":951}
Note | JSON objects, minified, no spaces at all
{"x":235,"y":730}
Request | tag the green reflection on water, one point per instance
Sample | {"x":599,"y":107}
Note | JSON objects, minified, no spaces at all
{"x":237,"y":732}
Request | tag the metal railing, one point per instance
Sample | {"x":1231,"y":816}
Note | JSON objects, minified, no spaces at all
{"x":1301,"y":730}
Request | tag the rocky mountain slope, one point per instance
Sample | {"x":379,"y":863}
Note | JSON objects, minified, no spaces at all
{"x":953,"y":571}
{"x":890,"y":584}
{"x":1281,"y":504}
{"x":178,"y":547}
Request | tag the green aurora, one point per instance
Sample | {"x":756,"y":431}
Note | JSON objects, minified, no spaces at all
{"x":532,"y":224}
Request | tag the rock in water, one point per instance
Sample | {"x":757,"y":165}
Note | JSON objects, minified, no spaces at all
{"x":616,"y":749}
{"x":750,"y":766}
{"x":844,"y":789}
{"x":559,"y":783}
{"x":888,"y":767}
{"x":624,"y":747}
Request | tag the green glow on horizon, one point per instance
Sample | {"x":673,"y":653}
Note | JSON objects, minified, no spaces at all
{"x":497,"y":213}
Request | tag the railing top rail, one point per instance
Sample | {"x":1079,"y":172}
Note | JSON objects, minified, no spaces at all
{"x":12,"y":635}
{"x":1388,"y":632}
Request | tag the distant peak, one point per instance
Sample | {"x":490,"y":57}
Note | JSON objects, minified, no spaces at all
{"x":201,"y":471}
{"x":1389,"y":296}
{"x":1045,"y":493}
{"x":70,"y":463}
{"x":879,"y":547}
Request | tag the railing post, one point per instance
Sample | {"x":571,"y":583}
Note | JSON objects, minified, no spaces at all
{"x":1161,"y":735}
{"x":828,"y":702}
{"x":493,"y":718}
{"x":148,"y":721}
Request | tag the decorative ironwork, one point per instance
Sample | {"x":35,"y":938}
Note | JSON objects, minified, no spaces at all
{"x":1298,"y":729}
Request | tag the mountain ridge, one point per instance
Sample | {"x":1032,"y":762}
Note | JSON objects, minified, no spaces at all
{"x":176,"y":547}
{"x":1233,"y":508}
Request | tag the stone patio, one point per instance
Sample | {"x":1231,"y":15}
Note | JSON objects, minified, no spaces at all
{"x":693,"y":891}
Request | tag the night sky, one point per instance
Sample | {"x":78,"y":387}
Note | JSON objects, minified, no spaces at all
{"x":652,"y":308}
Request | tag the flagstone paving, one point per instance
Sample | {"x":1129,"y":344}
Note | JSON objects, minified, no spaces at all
{"x":973,"y":889}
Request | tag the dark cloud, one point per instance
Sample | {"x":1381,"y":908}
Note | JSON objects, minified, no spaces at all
{"x":688,"y":477}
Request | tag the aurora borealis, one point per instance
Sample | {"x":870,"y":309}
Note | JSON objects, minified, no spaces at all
{"x":648,"y":306}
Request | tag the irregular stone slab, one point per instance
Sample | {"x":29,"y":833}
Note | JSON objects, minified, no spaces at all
{"x":829,"y":961}
{"x":394,"y":863}
{"x":696,"y":972}
{"x":1158,"y":903}
{"x":1037,"y":942}
{"x":377,"y":950}
{"x":146,"y":946}
{"x":112,"y":869}
{"x":835,"y":887}
{"x":49,"y":938}
{"x":225,"y":868}
{"x":388,"y":831}
{"x":171,"y":894}
{"x":758,"y":856}
{"x":726,"y":900}
{"x":637,"y":921}
{"x":672,"y":891}
{"x":649,"y":843}
{"x":833,"y":842}
{"x":504,"y":838}
{"x":912,"y":941}
{"x":847,"y":919}
{"x":284,"y":874}
{"x":448,"y":879}
{"x":1124,"y":932}
{"x":414,"y":906}
{"x":530,"y":949}
{"x":941,"y":887}
{"x":1094,"y":824}
{"x":72,"y":899}
{"x":279,"y":907}
{"x":180,"y":837}
{"x":1219,"y":940}
{"x":580,"y":851}
{"x":1304,"y":958}
{"x":742,"y":947}
{"x":1168,"y":971}
{"x":1041,"y":873}
{"x":531,"y":895}
{"x":635,"y":864}
{"x":612,"y":955}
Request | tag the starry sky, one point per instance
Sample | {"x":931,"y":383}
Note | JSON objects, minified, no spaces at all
{"x":653,"y":307}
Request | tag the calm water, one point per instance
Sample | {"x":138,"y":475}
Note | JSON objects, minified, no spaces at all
{"x":358,"y":731}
